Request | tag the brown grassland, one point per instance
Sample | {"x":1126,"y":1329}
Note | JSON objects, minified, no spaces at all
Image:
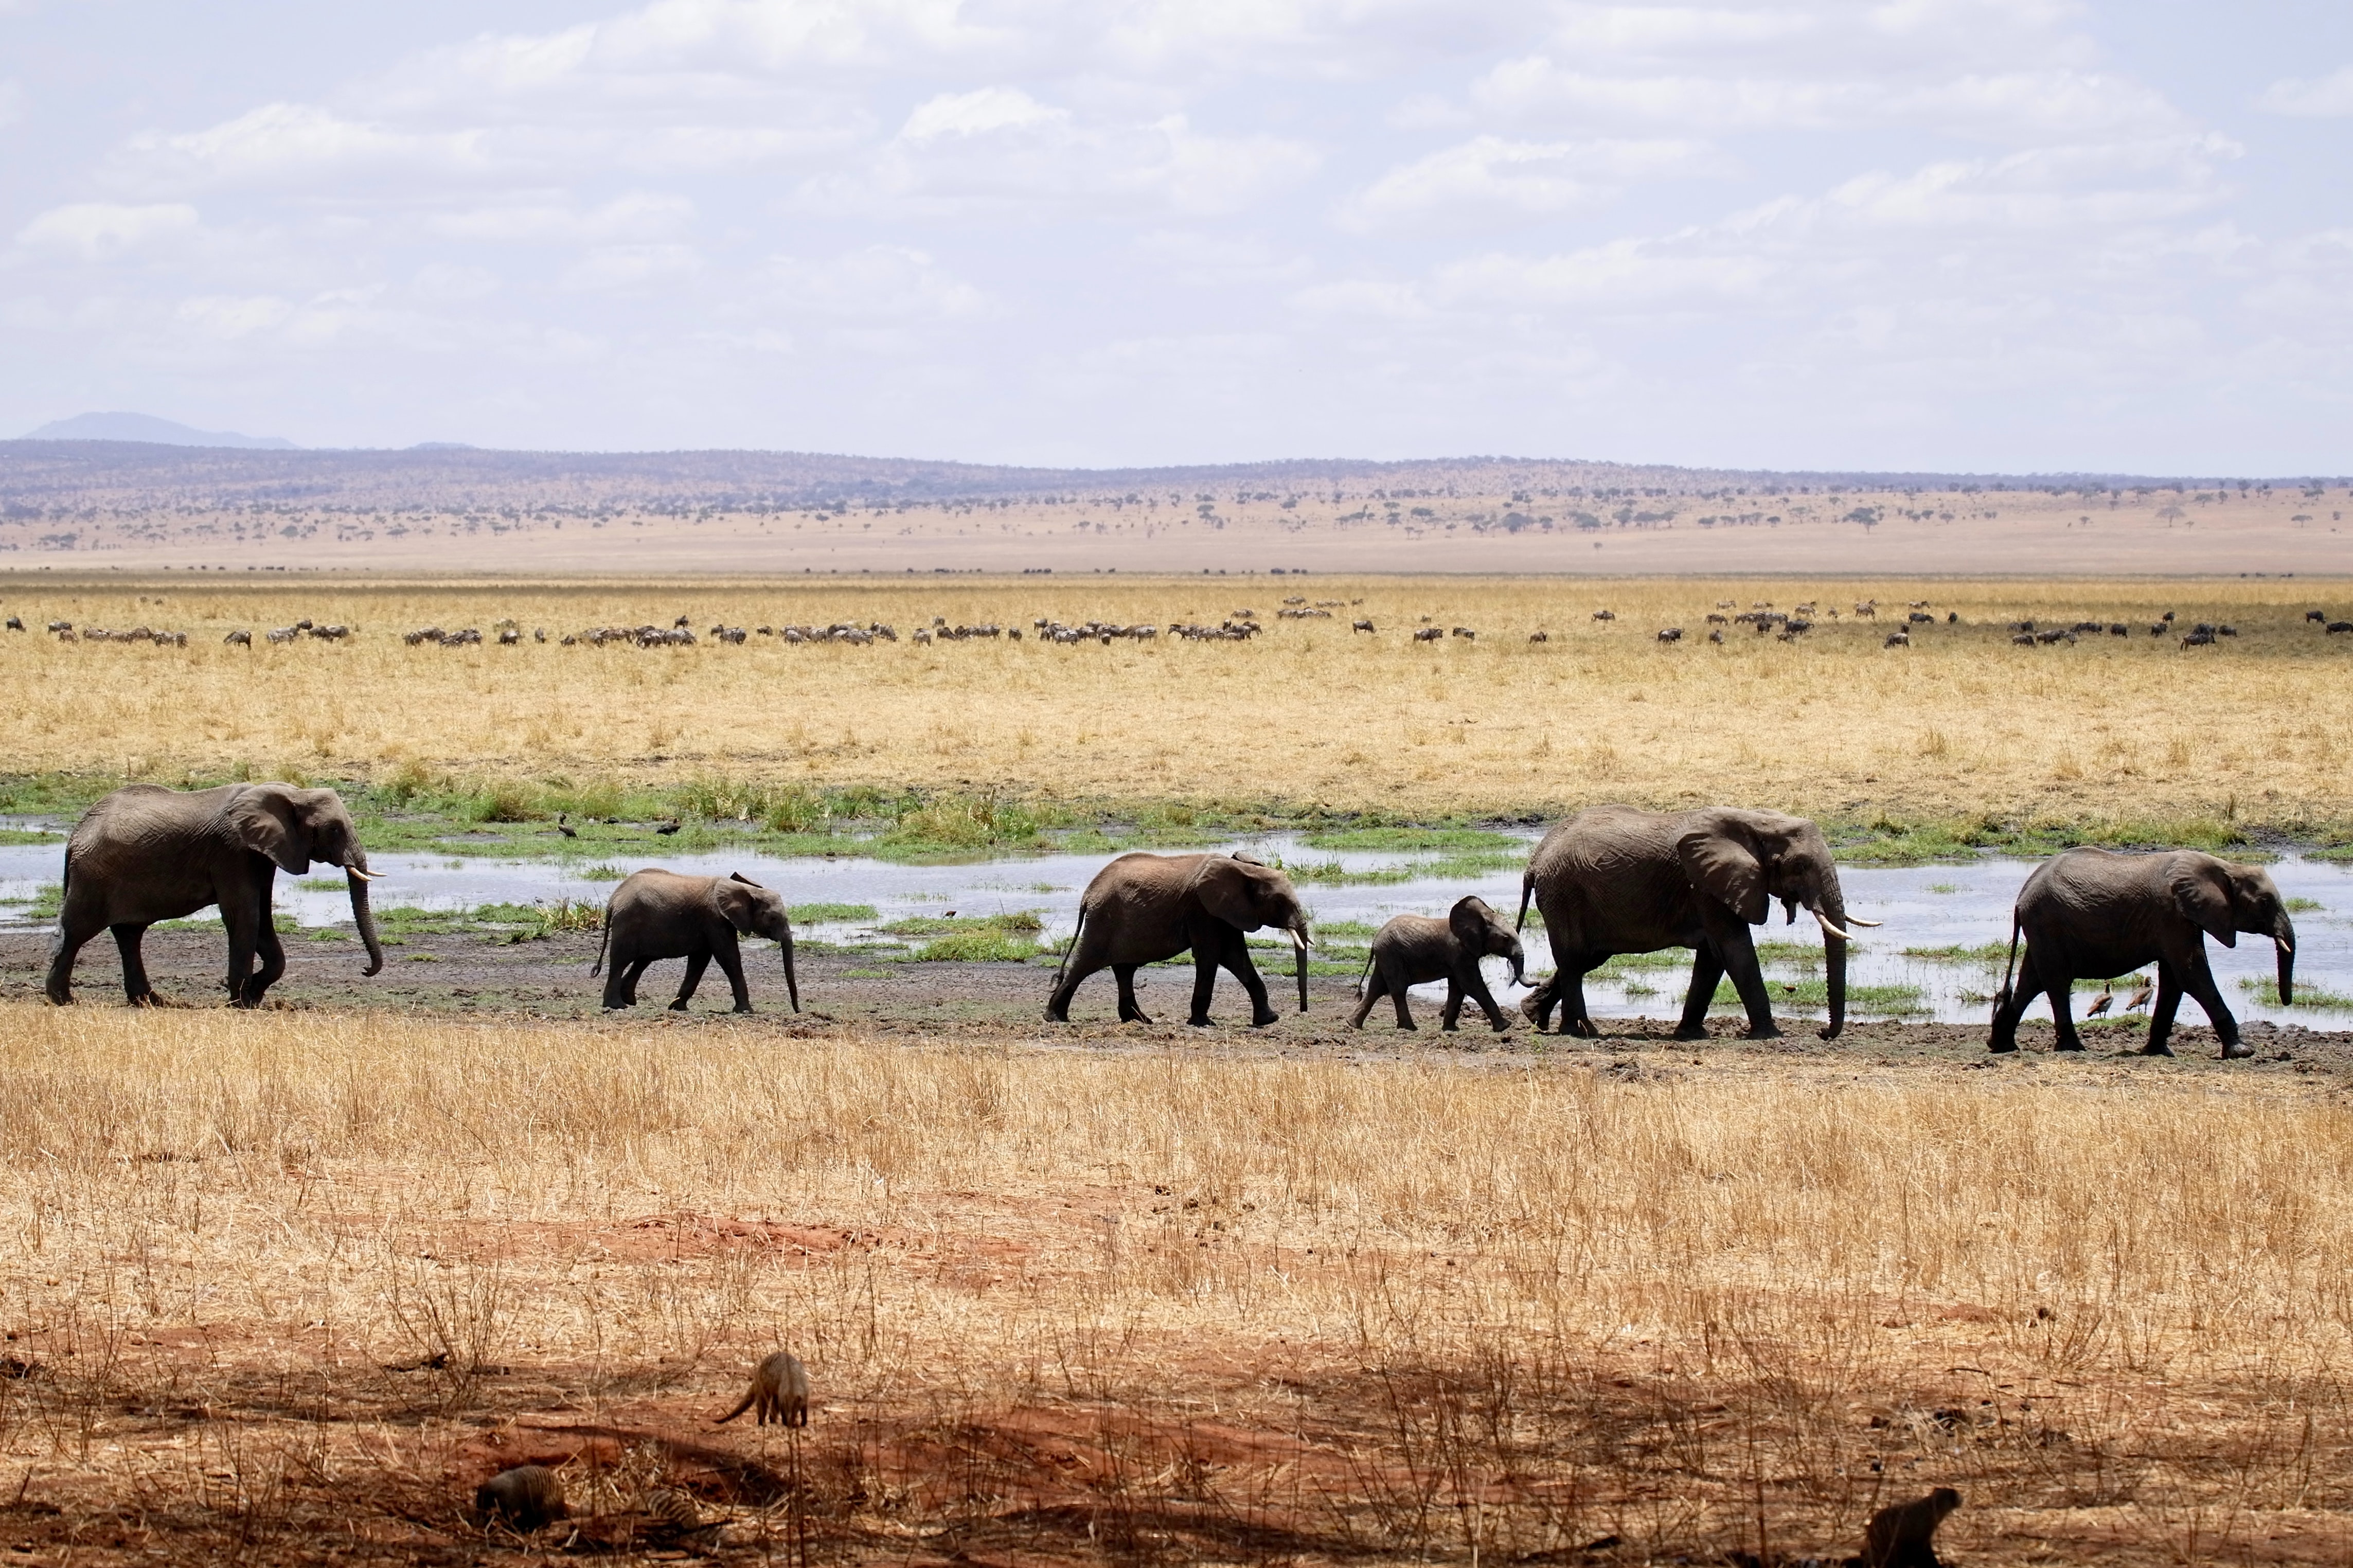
{"x":2255,"y":729}
{"x":286,"y":1286}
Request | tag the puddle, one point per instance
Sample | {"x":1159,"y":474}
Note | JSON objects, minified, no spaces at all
{"x":1921,"y":907}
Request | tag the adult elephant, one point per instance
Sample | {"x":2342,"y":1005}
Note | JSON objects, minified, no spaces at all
{"x":657,"y":914}
{"x":1614,"y":880}
{"x":146,"y":854}
{"x":2099,"y":913}
{"x":1141,"y":909}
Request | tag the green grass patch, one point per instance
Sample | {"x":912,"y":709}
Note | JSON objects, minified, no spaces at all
{"x":1884,"y":1001}
{"x":21,"y":835}
{"x":2305,"y":906}
{"x":1405,"y":840}
{"x":2320,"y":998}
{"x":867,"y":974}
{"x":1344,"y":928}
{"x":1024,"y":922}
{"x":1944,"y":888}
{"x":834,"y":914}
{"x":992,"y":944}
{"x":1630,"y":962}
{"x":1985,"y":955}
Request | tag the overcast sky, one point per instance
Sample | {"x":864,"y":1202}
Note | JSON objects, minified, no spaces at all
{"x":2015,"y":235}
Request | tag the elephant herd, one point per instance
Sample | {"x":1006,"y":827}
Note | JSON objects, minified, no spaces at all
{"x":1611,"y":880}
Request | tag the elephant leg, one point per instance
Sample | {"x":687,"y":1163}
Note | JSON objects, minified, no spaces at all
{"x":1476,"y":984}
{"x":2160,"y":1015}
{"x":1537,"y":1005}
{"x":2200,"y":983}
{"x":1395,"y":982}
{"x":637,"y":972}
{"x":1450,"y":1017}
{"x":1130,"y":1011}
{"x":1236,"y":959}
{"x":74,"y":931}
{"x":134,"y":972}
{"x":619,"y":990}
{"x":273,"y":959}
{"x":1377,"y":985}
{"x":2025,"y":986}
{"x":1707,"y":968}
{"x":1739,"y":957}
{"x":243,"y":926}
{"x":730,"y":955}
{"x":1083,"y":961}
{"x":2060,"y":989}
{"x":695,"y":964}
{"x":1574,"y":1018}
{"x":1205,"y":983}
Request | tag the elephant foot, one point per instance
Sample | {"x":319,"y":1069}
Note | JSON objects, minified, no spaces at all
{"x":1260,"y":1020}
{"x":2068,"y":1045}
{"x":61,"y":998}
{"x":1690,"y":1031}
{"x":1828,"y":1032}
{"x":1134,"y":1015}
{"x":1583,"y":1029}
{"x":2002,"y":1048}
{"x":1197,"y":1021}
{"x":740,"y":1008}
{"x":2236,"y":1050}
{"x":679,"y":1005}
{"x":2157,"y":1049}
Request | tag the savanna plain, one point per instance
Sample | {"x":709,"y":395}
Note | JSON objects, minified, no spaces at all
{"x":289,"y":1285}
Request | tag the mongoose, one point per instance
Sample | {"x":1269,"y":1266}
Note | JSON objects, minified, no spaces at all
{"x":779,"y":1390}
{"x":525,"y":1497}
{"x":1904,"y":1535}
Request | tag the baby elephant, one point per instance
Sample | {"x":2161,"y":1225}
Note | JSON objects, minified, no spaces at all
{"x":659,"y":915}
{"x":1413,"y":950}
{"x":779,"y":1393}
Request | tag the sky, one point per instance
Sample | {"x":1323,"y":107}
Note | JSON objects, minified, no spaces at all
{"x":1992,"y":236}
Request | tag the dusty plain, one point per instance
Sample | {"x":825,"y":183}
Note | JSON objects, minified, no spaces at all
{"x":286,"y":1286}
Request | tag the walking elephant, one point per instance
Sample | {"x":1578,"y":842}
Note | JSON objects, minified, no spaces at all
{"x":657,"y":914}
{"x":146,"y":854}
{"x":1414,"y":949}
{"x":2098,"y":913}
{"x":1614,"y":880}
{"x":1141,"y":909}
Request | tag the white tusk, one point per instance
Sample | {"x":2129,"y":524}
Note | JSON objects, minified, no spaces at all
{"x":1300,"y":942}
{"x":362,"y":876}
{"x":1828,"y":926}
{"x":1859,"y":921}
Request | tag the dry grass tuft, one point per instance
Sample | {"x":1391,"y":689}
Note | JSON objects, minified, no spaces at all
{"x":1169,"y":1305}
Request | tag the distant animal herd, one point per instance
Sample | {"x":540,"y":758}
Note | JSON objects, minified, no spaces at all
{"x":1237,"y":625}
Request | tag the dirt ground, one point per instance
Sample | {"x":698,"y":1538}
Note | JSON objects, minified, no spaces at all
{"x":477,"y":977}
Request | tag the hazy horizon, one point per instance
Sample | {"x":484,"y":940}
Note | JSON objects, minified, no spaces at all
{"x":1964,"y":236}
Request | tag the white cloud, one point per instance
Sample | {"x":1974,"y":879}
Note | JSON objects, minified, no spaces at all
{"x":642,"y":215}
{"x":98,"y":230}
{"x":876,"y":282}
{"x":1490,"y":177}
{"x":608,"y":269}
{"x":975,"y":113}
{"x":2323,"y":97}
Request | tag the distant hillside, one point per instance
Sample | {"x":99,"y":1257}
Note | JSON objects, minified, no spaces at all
{"x":55,"y":477}
{"x":146,"y":428}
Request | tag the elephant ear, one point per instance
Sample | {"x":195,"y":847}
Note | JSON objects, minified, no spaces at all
{"x":1227,"y":890}
{"x":2203,"y":889}
{"x":265,"y":822}
{"x":1470,"y":919}
{"x":733,"y":896}
{"x":1724,"y":868}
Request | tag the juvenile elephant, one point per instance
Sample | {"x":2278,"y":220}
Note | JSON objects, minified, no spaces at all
{"x":1141,"y":909}
{"x":2097,"y":914}
{"x":1414,"y":949}
{"x":1614,"y":880}
{"x":146,"y":854}
{"x":658,"y":914}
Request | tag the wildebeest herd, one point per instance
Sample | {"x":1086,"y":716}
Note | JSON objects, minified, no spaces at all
{"x":1611,"y":880}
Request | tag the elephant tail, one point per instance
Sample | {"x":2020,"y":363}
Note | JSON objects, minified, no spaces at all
{"x":1367,"y":970}
{"x":65,"y":885}
{"x":1527,"y":886}
{"x":2001,"y":997}
{"x":1073,"y":947}
{"x":605,"y":941}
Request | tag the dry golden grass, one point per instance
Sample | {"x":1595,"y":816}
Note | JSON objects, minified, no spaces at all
{"x":1961,"y":723}
{"x":1157,"y":1306}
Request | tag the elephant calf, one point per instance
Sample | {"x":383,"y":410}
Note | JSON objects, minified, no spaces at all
{"x":658,"y":914}
{"x":1414,"y":949}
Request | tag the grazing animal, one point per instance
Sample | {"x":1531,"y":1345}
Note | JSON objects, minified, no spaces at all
{"x":1539,"y":637}
{"x":2167,"y":618}
{"x":2101,"y":1003}
{"x":1897,"y":639}
{"x":1363,"y":626}
{"x":2316,"y":614}
{"x":2156,"y":628}
{"x":1672,"y":634}
{"x":2200,"y":639}
{"x":2335,"y":626}
{"x":1604,"y":615}
{"x":1427,"y":634}
{"x":1414,"y":949}
{"x":525,"y":1497}
{"x":1904,"y":1535}
{"x":2022,"y":639}
{"x":2118,"y":629}
{"x":779,"y":1393}
{"x":1716,"y":636}
{"x":238,"y":639}
{"x":15,"y":623}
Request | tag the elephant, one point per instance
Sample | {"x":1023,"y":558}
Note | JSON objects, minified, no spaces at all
{"x":1141,"y":909}
{"x":1615,"y":880}
{"x":1413,"y":950}
{"x":145,"y":854}
{"x":657,"y":914}
{"x":2095,"y":913}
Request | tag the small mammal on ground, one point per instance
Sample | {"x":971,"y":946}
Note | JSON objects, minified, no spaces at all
{"x":1904,"y":1535}
{"x":525,"y":1497}
{"x":779,"y":1393}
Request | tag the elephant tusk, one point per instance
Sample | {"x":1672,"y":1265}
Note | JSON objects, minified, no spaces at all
{"x":1829,"y":927}
{"x":1300,"y":942}
{"x":362,"y":876}
{"x":1859,"y":921}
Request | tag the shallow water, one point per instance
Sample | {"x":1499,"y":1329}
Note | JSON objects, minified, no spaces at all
{"x":1921,"y":907}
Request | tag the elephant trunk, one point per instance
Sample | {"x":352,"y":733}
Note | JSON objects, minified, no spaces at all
{"x":1299,"y":941}
{"x":792,"y":977}
{"x":1519,"y":957}
{"x":2284,"y":941}
{"x":355,"y":875}
{"x":1832,"y":913}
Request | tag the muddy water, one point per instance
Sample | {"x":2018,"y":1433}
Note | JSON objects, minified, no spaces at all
{"x":1920,"y":907}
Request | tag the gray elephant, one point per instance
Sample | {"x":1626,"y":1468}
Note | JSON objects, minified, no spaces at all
{"x":1614,"y":880}
{"x":1141,"y":909}
{"x":1414,"y":949}
{"x":2097,"y":913}
{"x":146,"y":854}
{"x":657,"y":914}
